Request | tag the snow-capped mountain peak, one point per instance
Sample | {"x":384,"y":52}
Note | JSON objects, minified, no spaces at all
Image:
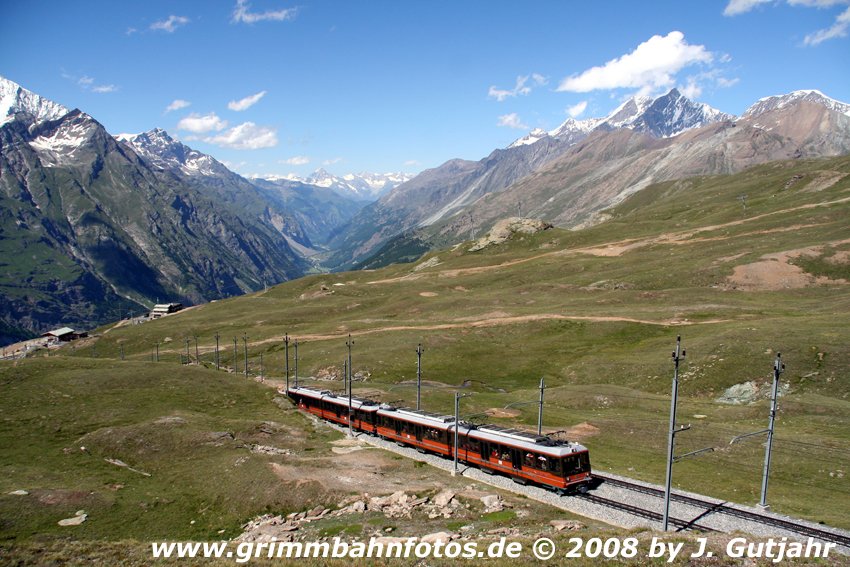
{"x":363,"y":186}
{"x":164,"y":151}
{"x":14,"y":99}
{"x":674,"y":113}
{"x":533,"y":136}
{"x":662,"y":117}
{"x":777,"y":102}
{"x":624,"y":115}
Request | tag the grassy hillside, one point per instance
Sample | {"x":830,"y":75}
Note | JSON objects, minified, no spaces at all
{"x":596,"y":312}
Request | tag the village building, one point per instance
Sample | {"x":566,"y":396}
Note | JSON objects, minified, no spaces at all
{"x":63,"y":334}
{"x":163,"y":309}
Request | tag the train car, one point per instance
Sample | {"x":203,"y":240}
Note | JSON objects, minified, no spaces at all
{"x":523,"y":456}
{"x":331,"y":407}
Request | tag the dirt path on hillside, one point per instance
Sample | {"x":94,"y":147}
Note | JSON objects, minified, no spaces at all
{"x":617,"y":248}
{"x":476,"y":324}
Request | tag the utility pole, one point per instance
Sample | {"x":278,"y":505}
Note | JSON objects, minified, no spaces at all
{"x":157,"y":351}
{"x":197,"y":356}
{"x":296,"y":363}
{"x":235,"y":357}
{"x":458,"y":396}
{"x":262,"y":378}
{"x":349,"y":343}
{"x":350,"y":433}
{"x":286,"y":350}
{"x":540,"y":410}
{"x":778,"y":368}
{"x":245,"y":341}
{"x":419,"y":351}
{"x":678,"y":354}
{"x":187,"y":351}
{"x":217,"y":362}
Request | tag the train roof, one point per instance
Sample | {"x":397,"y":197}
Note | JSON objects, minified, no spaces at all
{"x":421,"y":417}
{"x":356,"y":403}
{"x":518,"y":438}
{"x":526,"y":440}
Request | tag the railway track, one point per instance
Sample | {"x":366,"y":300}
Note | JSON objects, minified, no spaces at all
{"x":643,"y":512}
{"x":712,"y":507}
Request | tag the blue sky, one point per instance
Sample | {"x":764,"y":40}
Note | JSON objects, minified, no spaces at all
{"x":273,"y":86}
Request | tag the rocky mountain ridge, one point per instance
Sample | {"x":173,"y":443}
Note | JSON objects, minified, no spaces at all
{"x":91,"y":229}
{"x":591,"y":164}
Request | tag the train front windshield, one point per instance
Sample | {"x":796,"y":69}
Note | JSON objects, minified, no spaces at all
{"x":576,"y":464}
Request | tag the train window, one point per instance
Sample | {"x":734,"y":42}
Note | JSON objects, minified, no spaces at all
{"x":474,"y":445}
{"x":572,"y":465}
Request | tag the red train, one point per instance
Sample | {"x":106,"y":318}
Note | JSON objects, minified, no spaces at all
{"x":523,"y":456}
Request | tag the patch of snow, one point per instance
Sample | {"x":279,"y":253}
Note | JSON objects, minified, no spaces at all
{"x":14,"y":98}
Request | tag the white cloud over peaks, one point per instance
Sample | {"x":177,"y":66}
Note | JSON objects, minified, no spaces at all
{"x":691,"y":89}
{"x":838,"y":29}
{"x":332,"y":161}
{"x":245,"y":103}
{"x":242,"y":13}
{"x":201,"y":124}
{"x":245,"y":136}
{"x":104,"y":89}
{"x":511,"y":120}
{"x":171,"y":24}
{"x":651,"y":66}
{"x":521,"y":87}
{"x":577,"y":110}
{"x":735,"y":7}
{"x":297,"y":160}
{"x":177,"y":104}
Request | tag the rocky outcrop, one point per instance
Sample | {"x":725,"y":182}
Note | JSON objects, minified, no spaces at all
{"x":505,"y":229}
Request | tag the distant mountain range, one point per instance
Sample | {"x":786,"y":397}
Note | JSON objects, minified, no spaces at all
{"x":359,"y":186}
{"x":567,"y":175}
{"x":94,"y":226}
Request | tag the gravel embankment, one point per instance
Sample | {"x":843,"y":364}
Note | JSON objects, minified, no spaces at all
{"x":578,"y":505}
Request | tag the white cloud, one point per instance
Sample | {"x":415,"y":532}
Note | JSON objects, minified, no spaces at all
{"x":296,"y":160}
{"x":838,"y":29}
{"x":735,"y":7}
{"x":104,"y":89}
{"x":130,"y":31}
{"x":411,"y":163}
{"x":817,"y":3}
{"x":200,"y":124}
{"x":177,"y":104}
{"x":85,"y":81}
{"x":520,"y":88}
{"x":245,"y":103}
{"x":511,"y":120}
{"x":171,"y":24}
{"x":245,"y":136}
{"x":691,"y":89}
{"x":651,"y":66}
{"x":723,"y":82}
{"x":332,"y":161}
{"x":242,"y":13}
{"x":577,"y":110}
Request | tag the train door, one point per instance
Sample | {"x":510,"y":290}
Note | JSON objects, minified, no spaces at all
{"x":516,"y":458}
{"x":485,"y":450}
